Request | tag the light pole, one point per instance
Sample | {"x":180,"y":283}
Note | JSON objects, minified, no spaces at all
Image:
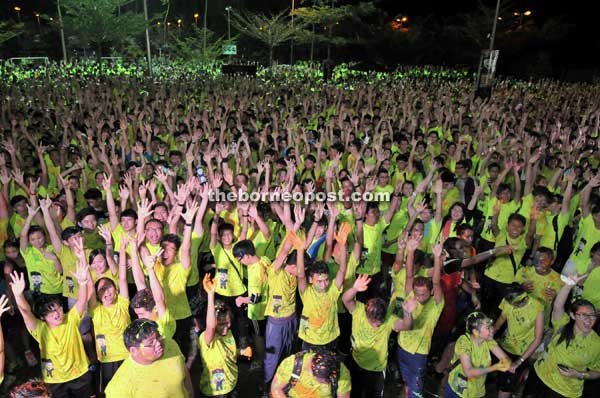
{"x":292,"y":39}
{"x":196,"y":15}
{"x":228,"y":9}
{"x":179,"y":22}
{"x":204,"y":33}
{"x":493,"y":36}
{"x":62,"y":32}
{"x":148,"y":55}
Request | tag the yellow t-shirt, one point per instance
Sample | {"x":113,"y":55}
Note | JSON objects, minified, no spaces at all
{"x":591,"y":287}
{"x":258,"y":288}
{"x":166,"y":325}
{"x":582,"y":354}
{"x":506,"y":209}
{"x":520,"y":325}
{"x":43,"y":276}
{"x":549,"y":236}
{"x":109,"y":325}
{"x":164,"y":378}
{"x":369,"y":344}
{"x":540,"y":282}
{"x":587,"y":236}
{"x":173,"y":279}
{"x":219,"y":366}
{"x":69,"y":260}
{"x":470,"y":387}
{"x":281,"y":301}
{"x":307,"y":385}
{"x":319,"y":320}
{"x":417,"y":340}
{"x":372,"y":242}
{"x":228,"y":273}
{"x":62,"y":355}
{"x":16,"y":223}
{"x":501,"y":269}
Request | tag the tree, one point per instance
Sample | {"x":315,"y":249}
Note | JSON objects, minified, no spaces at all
{"x":95,"y":23}
{"x":272,"y":30}
{"x":328,"y":17}
{"x":190,"y":48}
{"x":9,"y":31}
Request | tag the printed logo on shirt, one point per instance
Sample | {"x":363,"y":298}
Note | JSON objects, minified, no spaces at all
{"x":36,"y":281}
{"x":304,"y":323}
{"x":222,"y":272}
{"x":218,"y":376}
{"x":70,"y":284}
{"x":48,"y":367}
{"x":277,"y":302}
{"x":101,"y":340}
{"x":581,"y":246}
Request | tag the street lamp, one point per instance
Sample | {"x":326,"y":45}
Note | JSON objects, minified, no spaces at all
{"x":196,"y":16}
{"x":37,"y":18}
{"x":228,"y":9}
{"x":179,"y":22}
{"x":18,"y":10}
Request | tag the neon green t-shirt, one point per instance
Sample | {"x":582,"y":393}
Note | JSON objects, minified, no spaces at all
{"x":369,"y":344}
{"x":520,"y":330}
{"x":319,"y":320}
{"x":470,"y":387}
{"x":219,"y":366}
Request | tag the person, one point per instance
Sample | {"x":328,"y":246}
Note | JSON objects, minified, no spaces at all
{"x":311,"y":374}
{"x":524,"y":317}
{"x":573,"y":354}
{"x":371,"y":329}
{"x":4,"y":307}
{"x":109,"y":311}
{"x":217,"y":347}
{"x":155,"y":362}
{"x":414,"y":344}
{"x":258,"y":291}
{"x":472,"y":362}
{"x":319,"y":326}
{"x":30,"y":389}
{"x":63,"y":360}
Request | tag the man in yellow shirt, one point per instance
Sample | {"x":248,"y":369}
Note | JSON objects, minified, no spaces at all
{"x":63,"y":359}
{"x":155,"y":366}
{"x":414,"y":344}
{"x":371,"y":329}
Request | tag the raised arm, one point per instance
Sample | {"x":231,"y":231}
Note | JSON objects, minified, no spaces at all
{"x":110,"y":201}
{"x":186,"y":244}
{"x":300,"y":244}
{"x":211,"y":316}
{"x":23,"y":236}
{"x":361,"y":284}
{"x":50,"y":226}
{"x":585,"y":195}
{"x":18,"y":287}
{"x":436,"y":278}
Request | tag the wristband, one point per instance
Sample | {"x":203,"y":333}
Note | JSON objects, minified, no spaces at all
{"x":521,"y":360}
{"x":356,"y":186}
{"x":397,"y":194}
{"x":180,"y":204}
{"x":358,"y":219}
{"x":188,"y":224}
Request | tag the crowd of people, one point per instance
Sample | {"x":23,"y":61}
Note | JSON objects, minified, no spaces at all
{"x":459,"y":227}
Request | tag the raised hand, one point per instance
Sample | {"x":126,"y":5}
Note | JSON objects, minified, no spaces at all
{"x":32,"y":211}
{"x":299,"y":242}
{"x":409,"y":305}
{"x":209,"y":284}
{"x":17,"y":283}
{"x":45,"y":204}
{"x":361,"y":284}
{"x":413,"y":243}
{"x":4,"y":305}
{"x":190,"y":212}
{"x":437,"y":249}
{"x":81,"y":274}
{"x":107,"y":182}
{"x":104,"y":232}
{"x":150,"y":261}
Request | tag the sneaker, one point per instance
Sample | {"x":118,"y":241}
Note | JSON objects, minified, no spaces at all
{"x":30,"y":358}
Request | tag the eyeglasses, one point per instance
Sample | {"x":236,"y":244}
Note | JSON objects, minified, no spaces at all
{"x":583,"y":315}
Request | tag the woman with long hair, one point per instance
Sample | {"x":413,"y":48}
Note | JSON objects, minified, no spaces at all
{"x":573,"y":354}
